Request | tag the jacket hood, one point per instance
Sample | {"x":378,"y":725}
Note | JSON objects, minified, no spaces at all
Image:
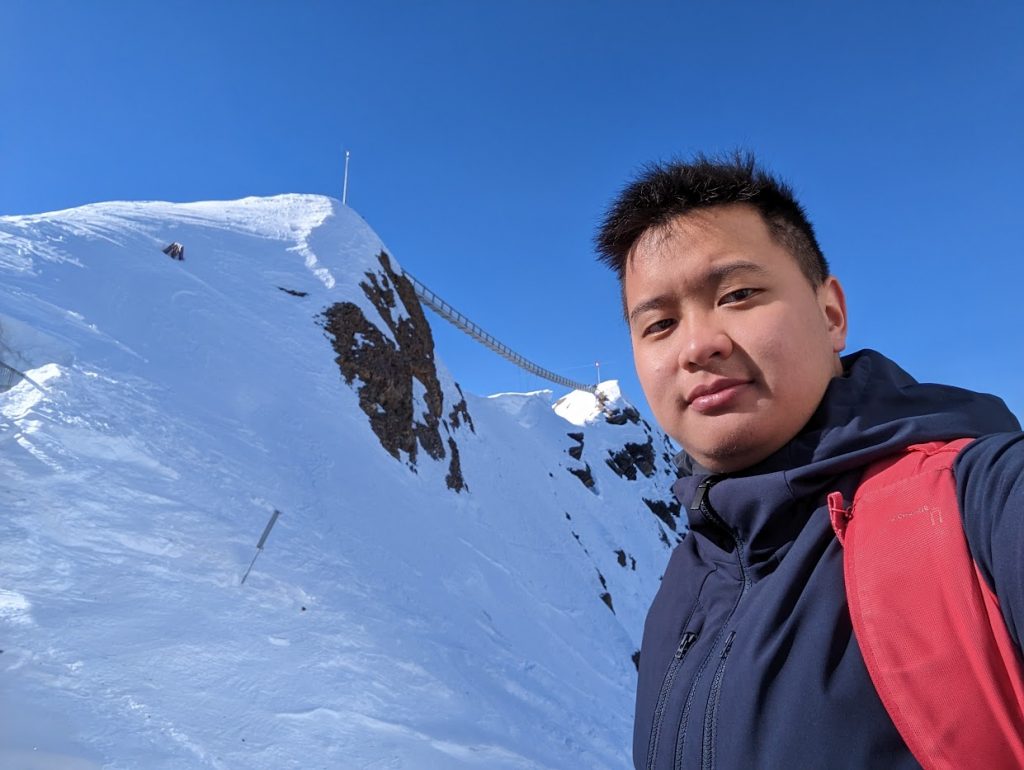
{"x":873,"y":410}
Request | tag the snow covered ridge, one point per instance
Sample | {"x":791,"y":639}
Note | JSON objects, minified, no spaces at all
{"x":454,"y":581}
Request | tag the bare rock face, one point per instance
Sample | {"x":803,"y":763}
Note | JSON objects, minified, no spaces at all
{"x":624,"y":415}
{"x":632,"y":458}
{"x":668,"y":512}
{"x":390,"y":373}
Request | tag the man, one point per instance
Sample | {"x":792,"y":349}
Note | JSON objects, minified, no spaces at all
{"x":749,"y":658}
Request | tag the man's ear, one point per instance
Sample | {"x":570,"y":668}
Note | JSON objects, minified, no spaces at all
{"x":833,"y":306}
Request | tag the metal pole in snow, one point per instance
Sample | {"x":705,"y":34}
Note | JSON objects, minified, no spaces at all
{"x":598,"y":365}
{"x":263,"y":539}
{"x":344,"y":189}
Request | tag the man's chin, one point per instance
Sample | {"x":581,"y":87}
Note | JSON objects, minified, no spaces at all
{"x":728,"y":457}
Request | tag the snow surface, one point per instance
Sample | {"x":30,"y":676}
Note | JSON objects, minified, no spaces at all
{"x":389,"y":622}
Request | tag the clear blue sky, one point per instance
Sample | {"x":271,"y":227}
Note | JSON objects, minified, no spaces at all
{"x":487,"y":139}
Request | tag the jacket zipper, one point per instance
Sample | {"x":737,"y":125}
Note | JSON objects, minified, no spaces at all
{"x":707,"y":761}
{"x":702,"y":504}
{"x":685,"y":643}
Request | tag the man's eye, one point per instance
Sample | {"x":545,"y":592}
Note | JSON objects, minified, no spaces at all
{"x":659,"y":326}
{"x":737,"y":296}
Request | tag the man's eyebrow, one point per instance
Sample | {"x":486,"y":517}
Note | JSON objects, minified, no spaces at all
{"x":718,"y":273}
{"x":713,"y":276}
{"x":654,"y":303}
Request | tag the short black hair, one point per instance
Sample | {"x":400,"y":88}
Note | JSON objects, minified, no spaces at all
{"x":663,"y":191}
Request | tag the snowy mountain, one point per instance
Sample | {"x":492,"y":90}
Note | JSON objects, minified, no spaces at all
{"x":454,"y":581}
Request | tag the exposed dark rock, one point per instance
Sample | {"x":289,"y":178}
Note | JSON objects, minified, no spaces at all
{"x":667,"y":512}
{"x":604,"y":583}
{"x":567,"y":516}
{"x":576,"y":452}
{"x":580,"y":542}
{"x":636,"y":659}
{"x":387,"y":371}
{"x":454,"y":478}
{"x":607,"y":599}
{"x":663,"y":537}
{"x":622,"y":416}
{"x":632,"y":458}
{"x":294,"y":292}
{"x":175,"y":251}
{"x":385,"y":394}
{"x":622,"y":556}
{"x":584,"y":474}
{"x":460,"y":412}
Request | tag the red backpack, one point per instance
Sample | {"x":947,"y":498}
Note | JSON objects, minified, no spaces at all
{"x":927,"y":624}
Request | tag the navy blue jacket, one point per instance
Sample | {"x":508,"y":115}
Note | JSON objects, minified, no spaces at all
{"x":749,"y":658}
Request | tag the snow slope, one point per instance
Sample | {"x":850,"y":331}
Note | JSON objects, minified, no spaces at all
{"x":454,"y":582}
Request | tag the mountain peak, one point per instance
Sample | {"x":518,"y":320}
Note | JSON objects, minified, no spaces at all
{"x":443,"y":563}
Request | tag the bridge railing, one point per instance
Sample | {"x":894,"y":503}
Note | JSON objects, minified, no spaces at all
{"x":9,"y":377}
{"x":457,"y":319}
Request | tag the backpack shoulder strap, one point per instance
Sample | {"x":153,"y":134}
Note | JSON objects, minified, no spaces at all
{"x":927,"y":624}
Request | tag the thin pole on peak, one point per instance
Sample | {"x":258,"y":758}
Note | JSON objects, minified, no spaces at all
{"x":598,"y":365}
{"x":344,"y":189}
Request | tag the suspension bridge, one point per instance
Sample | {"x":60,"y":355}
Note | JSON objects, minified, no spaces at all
{"x":459,"y":321}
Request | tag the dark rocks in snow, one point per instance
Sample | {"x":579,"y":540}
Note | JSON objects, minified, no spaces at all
{"x":294,"y":292}
{"x":621,"y":556}
{"x":622,"y":416}
{"x":387,"y":371}
{"x":460,"y":412}
{"x":607,"y":599}
{"x":585,"y":475}
{"x":174,"y":250}
{"x":663,"y":537}
{"x":454,"y":478}
{"x":632,"y":458}
{"x":636,"y":659}
{"x":576,"y":452}
{"x":667,"y":512}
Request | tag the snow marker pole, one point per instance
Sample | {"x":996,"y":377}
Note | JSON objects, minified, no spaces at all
{"x":259,"y":545}
{"x":344,"y":189}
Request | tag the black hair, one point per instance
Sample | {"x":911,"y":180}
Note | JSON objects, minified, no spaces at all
{"x":664,"y":191}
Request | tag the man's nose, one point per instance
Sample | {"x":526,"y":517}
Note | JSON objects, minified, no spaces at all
{"x":704,"y":341}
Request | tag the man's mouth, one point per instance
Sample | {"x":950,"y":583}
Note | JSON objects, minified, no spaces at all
{"x":715,"y":396}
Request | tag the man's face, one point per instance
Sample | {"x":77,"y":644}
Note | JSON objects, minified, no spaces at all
{"x":733,"y":345}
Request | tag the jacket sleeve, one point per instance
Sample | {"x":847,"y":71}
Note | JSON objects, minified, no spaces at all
{"x":990,"y":489}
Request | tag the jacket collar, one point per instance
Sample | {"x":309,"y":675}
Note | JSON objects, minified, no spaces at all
{"x":873,"y":410}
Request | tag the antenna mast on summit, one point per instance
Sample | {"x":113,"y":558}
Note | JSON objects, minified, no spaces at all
{"x":344,"y":189}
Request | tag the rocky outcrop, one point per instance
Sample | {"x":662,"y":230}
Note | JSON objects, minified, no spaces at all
{"x":621,"y":557}
{"x":622,"y":416}
{"x":460,"y":412}
{"x":396,"y":377}
{"x":576,"y":452}
{"x":632,"y":458}
{"x":667,"y":512}
{"x":585,"y":476}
